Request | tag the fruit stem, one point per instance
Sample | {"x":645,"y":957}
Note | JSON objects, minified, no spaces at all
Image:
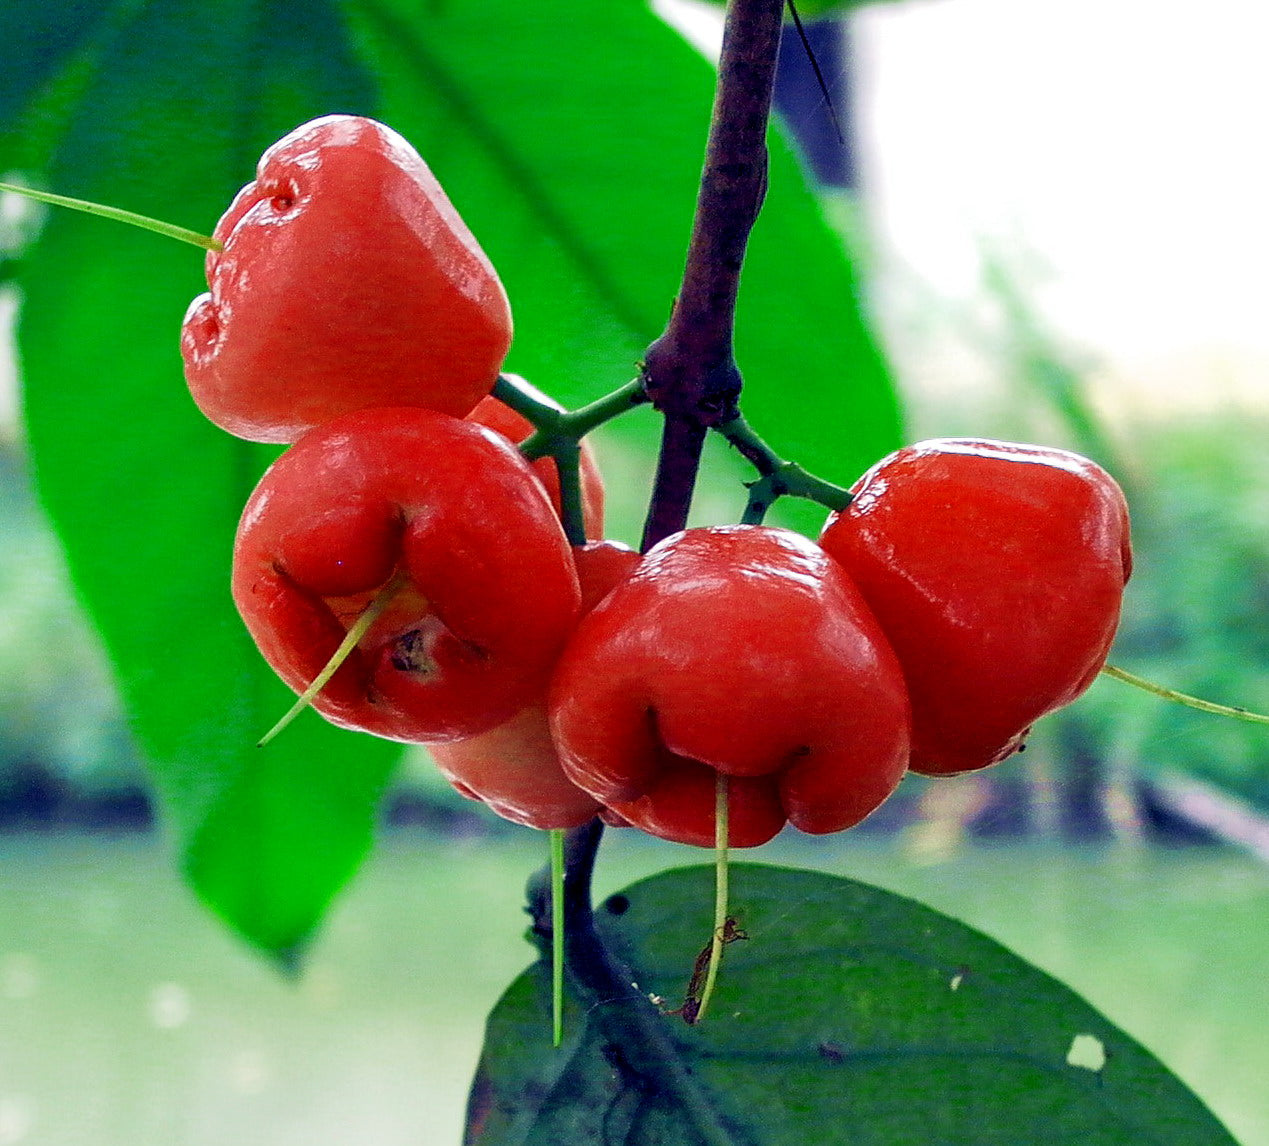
{"x":541,"y":414}
{"x":1183,"y":698}
{"x":578,"y":423}
{"x":557,"y":936}
{"x":558,"y":433}
{"x":568,"y":464}
{"x":720,"y":893}
{"x":761,"y":498}
{"x":118,"y":215}
{"x":779,"y":478}
{"x":358,"y":630}
{"x":554,"y":426}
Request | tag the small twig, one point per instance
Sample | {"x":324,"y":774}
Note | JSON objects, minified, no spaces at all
{"x":678,"y":461}
{"x":779,"y":478}
{"x":558,"y":434}
{"x":819,"y":73}
{"x":554,"y":425}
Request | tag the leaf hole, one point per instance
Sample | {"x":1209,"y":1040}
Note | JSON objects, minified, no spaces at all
{"x":1087,"y":1052}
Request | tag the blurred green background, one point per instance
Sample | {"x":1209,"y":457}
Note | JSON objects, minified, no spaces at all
{"x":1125,"y":852}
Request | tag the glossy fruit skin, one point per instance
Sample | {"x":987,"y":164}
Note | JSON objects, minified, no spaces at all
{"x":516,"y":427}
{"x":997,"y":572}
{"x":490,"y":593}
{"x":514,"y":768}
{"x":736,"y":649}
{"x":347,"y":281}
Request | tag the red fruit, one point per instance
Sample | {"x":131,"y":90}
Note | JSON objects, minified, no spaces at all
{"x":996,"y":570}
{"x":450,"y":512}
{"x":734,"y":649}
{"x":514,"y":768}
{"x":601,"y":567}
{"x":501,"y":417}
{"x":347,"y":280}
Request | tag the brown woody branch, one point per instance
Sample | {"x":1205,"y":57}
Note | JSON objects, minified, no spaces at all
{"x":690,"y":372}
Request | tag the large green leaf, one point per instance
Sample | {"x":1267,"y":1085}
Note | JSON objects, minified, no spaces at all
{"x":144,"y":492}
{"x":847,"y":1015}
{"x":578,"y":171}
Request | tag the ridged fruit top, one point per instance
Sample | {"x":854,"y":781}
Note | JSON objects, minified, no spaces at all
{"x":996,"y":571}
{"x":346,"y":280}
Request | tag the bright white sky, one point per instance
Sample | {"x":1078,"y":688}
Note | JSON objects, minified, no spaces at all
{"x":1117,"y":147}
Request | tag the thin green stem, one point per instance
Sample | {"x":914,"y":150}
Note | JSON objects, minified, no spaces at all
{"x":554,"y":425}
{"x":1183,"y":698}
{"x":762,"y":496}
{"x":749,"y":445}
{"x":557,"y":936}
{"x":721,"y":894}
{"x":532,"y":406}
{"x":581,"y":421}
{"x":558,"y":434}
{"x":778,"y":478}
{"x":118,"y":215}
{"x":568,"y":464}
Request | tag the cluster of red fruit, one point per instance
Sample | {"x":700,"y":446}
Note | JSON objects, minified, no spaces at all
{"x":969,"y":587}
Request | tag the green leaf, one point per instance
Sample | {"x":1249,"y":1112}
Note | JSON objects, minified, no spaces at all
{"x":848,"y":1014}
{"x":145,"y":493}
{"x":579,"y":176}
{"x":40,"y":39}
